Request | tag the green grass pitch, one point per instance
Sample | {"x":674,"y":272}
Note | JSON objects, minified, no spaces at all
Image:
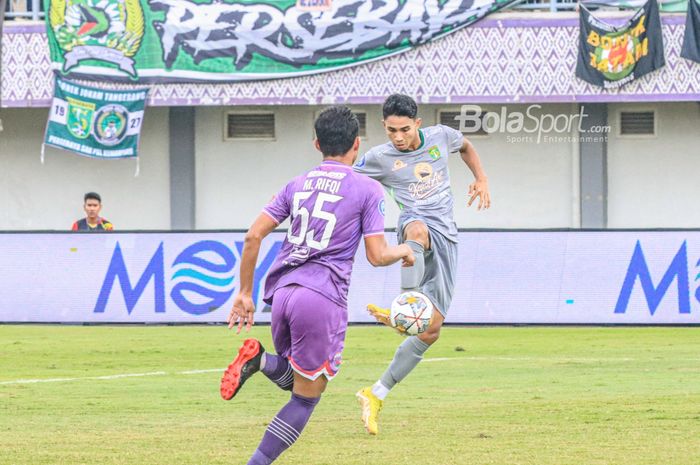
{"x":483,"y":395}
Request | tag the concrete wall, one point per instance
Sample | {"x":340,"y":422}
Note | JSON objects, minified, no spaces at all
{"x":653,"y":180}
{"x":532,"y":183}
{"x":50,"y":196}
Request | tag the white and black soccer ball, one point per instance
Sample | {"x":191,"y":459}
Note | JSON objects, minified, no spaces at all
{"x":411,"y":313}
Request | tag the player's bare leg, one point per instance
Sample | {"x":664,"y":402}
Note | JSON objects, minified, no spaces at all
{"x":289,"y":422}
{"x":432,"y":334}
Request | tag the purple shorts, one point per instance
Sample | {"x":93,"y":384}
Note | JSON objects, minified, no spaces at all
{"x":309,"y":330}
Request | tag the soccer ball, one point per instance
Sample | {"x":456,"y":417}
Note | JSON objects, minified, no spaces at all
{"x":411,"y":313}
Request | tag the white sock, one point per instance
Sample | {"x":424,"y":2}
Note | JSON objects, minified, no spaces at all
{"x":379,"y":390}
{"x":262,"y":361}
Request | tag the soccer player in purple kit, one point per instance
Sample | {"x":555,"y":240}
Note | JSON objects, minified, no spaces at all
{"x":330,"y":208}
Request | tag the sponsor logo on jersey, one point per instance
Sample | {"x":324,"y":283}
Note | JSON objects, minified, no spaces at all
{"x":398,"y":164}
{"x":422,"y":171}
{"x":429,"y":182}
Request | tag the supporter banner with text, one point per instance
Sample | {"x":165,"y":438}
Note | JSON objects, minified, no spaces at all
{"x":503,"y":277}
{"x":233,"y":40}
{"x":611,"y":56}
{"x":95,"y":122}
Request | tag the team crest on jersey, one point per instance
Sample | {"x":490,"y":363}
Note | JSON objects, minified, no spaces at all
{"x":434,"y":152}
{"x":398,"y":164}
{"x":110,"y":124}
{"x":105,"y":30}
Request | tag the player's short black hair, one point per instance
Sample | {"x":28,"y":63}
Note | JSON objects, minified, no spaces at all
{"x":92,"y":195}
{"x":336,"y":130}
{"x":400,"y":105}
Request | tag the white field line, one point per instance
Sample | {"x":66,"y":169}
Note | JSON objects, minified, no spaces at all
{"x":196,"y":372}
{"x":59,"y":380}
{"x":108,"y":377}
{"x":426,"y":360}
{"x":531,"y":359}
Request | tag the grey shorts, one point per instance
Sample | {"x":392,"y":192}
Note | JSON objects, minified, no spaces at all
{"x":440,"y":268}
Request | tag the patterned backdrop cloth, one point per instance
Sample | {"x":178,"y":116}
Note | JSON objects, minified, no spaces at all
{"x":2,"y":17}
{"x":501,"y":59}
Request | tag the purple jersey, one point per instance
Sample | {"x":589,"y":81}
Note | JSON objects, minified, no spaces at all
{"x":331,"y":208}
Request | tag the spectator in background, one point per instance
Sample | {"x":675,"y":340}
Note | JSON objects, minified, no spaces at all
{"x":92,"y":222}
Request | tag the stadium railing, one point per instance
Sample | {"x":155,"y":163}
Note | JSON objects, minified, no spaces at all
{"x":24,"y":9}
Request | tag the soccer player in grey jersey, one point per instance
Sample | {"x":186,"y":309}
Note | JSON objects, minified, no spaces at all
{"x":413,"y":168}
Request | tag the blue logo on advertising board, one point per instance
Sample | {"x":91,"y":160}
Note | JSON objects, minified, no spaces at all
{"x":678,"y":270}
{"x":202,"y":277}
{"x":208,"y":280}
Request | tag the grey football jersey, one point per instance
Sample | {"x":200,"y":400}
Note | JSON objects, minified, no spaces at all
{"x":419,"y":181}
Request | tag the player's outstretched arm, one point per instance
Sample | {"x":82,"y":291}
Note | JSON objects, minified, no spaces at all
{"x":380,"y":253}
{"x":480,"y":186}
{"x":243,"y":305}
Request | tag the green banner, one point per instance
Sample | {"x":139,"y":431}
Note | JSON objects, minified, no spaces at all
{"x":95,"y":122}
{"x":233,"y":40}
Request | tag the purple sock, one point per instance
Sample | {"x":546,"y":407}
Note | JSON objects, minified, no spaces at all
{"x":279,"y":371}
{"x":284,"y":429}
{"x":259,"y":458}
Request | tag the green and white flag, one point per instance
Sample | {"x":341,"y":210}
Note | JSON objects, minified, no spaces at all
{"x":94,"y":122}
{"x":239,"y":40}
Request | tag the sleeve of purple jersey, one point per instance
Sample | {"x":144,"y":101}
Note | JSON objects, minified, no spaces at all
{"x":279,"y":207}
{"x":373,"y":210}
{"x":454,"y":138}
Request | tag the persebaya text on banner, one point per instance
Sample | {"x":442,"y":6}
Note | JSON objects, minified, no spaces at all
{"x":234,"y":40}
{"x":611,"y":56}
{"x":95,"y":122}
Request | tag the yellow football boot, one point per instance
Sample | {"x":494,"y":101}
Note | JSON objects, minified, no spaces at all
{"x":371,"y":406}
{"x":382,"y":315}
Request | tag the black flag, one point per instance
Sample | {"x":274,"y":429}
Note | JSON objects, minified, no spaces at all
{"x":691,"y":39}
{"x":610,"y":56}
